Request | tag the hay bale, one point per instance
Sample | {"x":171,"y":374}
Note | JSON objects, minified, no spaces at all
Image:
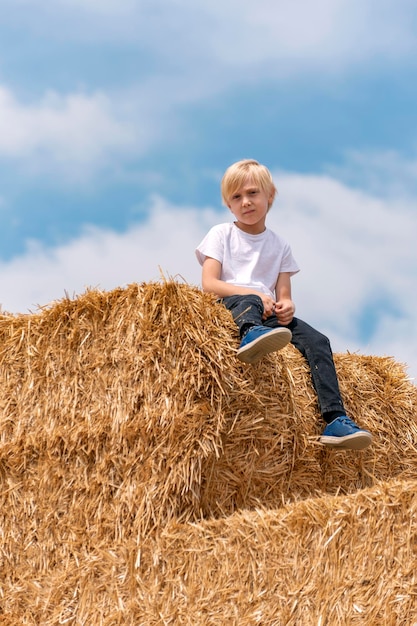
{"x":272,"y":453}
{"x":122,"y":412}
{"x":140,"y":392}
{"x":330,"y":560}
{"x":336,"y":560}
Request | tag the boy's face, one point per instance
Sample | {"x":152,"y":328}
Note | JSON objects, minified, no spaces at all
{"x":250,"y":204}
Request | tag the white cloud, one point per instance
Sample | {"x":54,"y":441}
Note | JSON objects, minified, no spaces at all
{"x":72,"y":134}
{"x":107,"y":7}
{"x":105,"y":259}
{"x":385,"y":173}
{"x":77,"y":135}
{"x":356,"y":251}
{"x":196,"y":52}
{"x":331,"y":33}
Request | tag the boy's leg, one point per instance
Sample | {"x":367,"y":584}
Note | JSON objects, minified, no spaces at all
{"x":341,"y":432}
{"x":315,"y":347}
{"x":247,"y":311}
{"x":256,"y":339}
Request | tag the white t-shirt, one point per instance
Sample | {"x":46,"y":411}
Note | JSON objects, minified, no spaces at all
{"x":248,"y":260}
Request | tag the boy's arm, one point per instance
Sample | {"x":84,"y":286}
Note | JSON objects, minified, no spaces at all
{"x":212,"y":283}
{"x":285,"y":307}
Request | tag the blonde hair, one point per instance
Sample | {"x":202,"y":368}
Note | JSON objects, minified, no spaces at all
{"x":235,"y":176}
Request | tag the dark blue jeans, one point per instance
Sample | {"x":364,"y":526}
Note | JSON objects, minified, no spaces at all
{"x":314,"y":346}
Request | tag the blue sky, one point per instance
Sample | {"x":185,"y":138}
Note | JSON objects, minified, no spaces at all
{"x":118,"y":118}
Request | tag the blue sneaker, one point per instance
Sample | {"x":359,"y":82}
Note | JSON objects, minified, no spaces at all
{"x":260,"y":340}
{"x":344,"y":434}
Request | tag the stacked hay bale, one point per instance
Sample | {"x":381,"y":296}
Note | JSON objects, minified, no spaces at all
{"x":135,"y":447}
{"x":328,"y":560}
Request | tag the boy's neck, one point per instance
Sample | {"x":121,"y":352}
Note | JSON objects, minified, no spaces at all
{"x":255,"y":229}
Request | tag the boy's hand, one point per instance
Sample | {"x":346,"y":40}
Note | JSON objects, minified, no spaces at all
{"x":269,"y":306}
{"x":284,"y":310}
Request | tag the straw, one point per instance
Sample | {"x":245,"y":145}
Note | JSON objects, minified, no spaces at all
{"x":126,"y":421}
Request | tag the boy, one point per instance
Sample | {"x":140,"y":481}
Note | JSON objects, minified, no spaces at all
{"x":249,"y":268}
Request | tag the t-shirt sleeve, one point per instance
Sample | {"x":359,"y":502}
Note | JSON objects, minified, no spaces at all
{"x":288,"y":263}
{"x":211,"y":246}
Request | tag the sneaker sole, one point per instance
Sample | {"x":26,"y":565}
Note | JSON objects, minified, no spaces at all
{"x":356,"y":441}
{"x":272,"y":342}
